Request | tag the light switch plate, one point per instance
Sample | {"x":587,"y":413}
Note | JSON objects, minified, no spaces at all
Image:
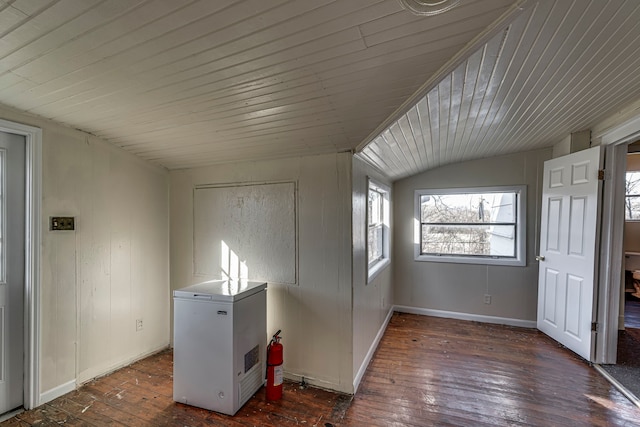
{"x":57,"y":223}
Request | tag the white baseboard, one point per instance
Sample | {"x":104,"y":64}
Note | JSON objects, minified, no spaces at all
{"x":56,"y":392}
{"x":86,"y":376}
{"x":315,"y":382}
{"x":466,"y":316}
{"x":374,"y":345}
{"x":101,"y":371}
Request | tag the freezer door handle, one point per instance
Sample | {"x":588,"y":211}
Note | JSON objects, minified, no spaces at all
{"x":198,"y":296}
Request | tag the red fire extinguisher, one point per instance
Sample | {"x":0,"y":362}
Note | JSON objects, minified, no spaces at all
{"x":274,"y":368}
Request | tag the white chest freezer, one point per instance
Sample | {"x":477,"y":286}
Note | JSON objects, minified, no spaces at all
{"x":220,"y":336}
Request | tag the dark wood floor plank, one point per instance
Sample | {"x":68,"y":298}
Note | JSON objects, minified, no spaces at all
{"x":15,"y":422}
{"x":632,"y":312}
{"x":472,"y":374}
{"x":426,"y":372}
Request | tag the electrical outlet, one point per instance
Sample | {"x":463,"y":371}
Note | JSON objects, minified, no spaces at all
{"x":487,"y":299}
{"x":138,"y":325}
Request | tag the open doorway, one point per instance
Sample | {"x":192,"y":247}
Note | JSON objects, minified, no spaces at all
{"x":628,"y":359}
{"x":630,"y":297}
{"x":625,"y":372}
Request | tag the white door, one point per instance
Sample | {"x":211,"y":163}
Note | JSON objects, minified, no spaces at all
{"x":568,"y":242}
{"x":12,"y":218}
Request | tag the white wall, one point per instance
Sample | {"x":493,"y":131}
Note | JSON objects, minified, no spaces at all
{"x":315,"y":314}
{"x":460,"y":288}
{"x":371,"y":302}
{"x":113,"y":269}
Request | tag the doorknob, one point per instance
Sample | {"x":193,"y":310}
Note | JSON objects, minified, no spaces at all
{"x":539,"y":257}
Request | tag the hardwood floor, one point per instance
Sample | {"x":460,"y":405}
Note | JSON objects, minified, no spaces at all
{"x":631,"y":312}
{"x":430,"y":371}
{"x":427,"y":372}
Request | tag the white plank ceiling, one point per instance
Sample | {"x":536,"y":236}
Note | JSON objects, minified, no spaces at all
{"x":558,"y":68}
{"x":185,"y":83}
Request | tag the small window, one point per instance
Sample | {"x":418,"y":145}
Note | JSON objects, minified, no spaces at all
{"x":377,"y":228}
{"x":474,"y":225}
{"x":632,"y":196}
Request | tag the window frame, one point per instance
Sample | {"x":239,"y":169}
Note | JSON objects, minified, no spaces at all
{"x":376,"y":266}
{"x":520,"y":232}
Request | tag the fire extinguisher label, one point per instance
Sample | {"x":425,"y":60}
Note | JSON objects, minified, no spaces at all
{"x":277,"y":375}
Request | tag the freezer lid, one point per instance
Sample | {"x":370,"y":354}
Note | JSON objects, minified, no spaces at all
{"x":221,"y":290}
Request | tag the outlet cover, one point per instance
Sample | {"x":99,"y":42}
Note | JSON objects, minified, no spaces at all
{"x":487,"y":299}
{"x":138,"y":325}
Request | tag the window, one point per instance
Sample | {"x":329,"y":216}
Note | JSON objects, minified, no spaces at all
{"x":632,"y":196}
{"x":377,"y":228}
{"x":472,"y":225}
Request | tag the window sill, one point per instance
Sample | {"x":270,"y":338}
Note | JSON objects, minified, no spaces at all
{"x":469,"y":260}
{"x":376,"y":268}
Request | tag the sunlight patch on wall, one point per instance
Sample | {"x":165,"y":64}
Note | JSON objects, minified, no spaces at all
{"x":237,"y":226}
{"x":231,"y":266}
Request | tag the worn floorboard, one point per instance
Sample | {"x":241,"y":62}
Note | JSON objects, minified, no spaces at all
{"x":426,"y":372}
{"x":632,"y":312}
{"x":431,"y":371}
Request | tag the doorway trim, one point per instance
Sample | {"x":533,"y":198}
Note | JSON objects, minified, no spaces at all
{"x":33,"y":201}
{"x":611,"y":263}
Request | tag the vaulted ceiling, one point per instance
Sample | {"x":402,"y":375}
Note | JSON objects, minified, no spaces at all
{"x":186,"y":83}
{"x":559,"y":67}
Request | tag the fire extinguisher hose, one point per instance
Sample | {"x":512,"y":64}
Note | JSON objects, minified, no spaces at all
{"x":273,"y":341}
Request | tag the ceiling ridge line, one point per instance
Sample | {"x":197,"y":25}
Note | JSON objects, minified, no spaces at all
{"x":498,"y":25}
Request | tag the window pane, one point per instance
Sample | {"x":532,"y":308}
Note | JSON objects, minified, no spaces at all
{"x":375,"y":207}
{"x":481,"y":240}
{"x":377,"y":228}
{"x":632,"y":208}
{"x":471,"y":225}
{"x":632,"y":204}
{"x":632,"y":183}
{"x":375,"y":243}
{"x":479,"y":208}
{"x":502,"y":240}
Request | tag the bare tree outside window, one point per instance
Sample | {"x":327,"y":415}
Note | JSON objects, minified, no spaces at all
{"x":632,"y":199}
{"x":475,"y":224}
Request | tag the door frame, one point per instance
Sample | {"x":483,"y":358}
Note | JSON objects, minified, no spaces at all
{"x":33,"y":232}
{"x":611,"y":261}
